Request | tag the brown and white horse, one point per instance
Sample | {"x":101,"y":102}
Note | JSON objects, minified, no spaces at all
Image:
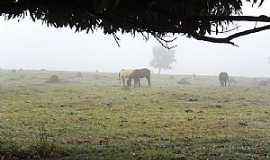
{"x":137,"y":74}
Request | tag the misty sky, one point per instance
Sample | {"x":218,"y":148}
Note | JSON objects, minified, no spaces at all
{"x":30,"y":45}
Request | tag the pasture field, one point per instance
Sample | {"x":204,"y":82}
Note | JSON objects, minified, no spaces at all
{"x":92,"y":117}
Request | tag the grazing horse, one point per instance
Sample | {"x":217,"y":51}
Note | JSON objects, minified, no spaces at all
{"x":124,"y":75}
{"x":224,"y":79}
{"x":137,"y":74}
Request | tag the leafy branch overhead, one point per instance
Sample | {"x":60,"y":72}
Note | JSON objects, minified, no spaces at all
{"x":197,"y":19}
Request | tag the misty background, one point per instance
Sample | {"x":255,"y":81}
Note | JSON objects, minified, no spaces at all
{"x":30,"y":45}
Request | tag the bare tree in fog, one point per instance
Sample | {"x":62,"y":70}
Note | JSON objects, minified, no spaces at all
{"x":163,"y":58}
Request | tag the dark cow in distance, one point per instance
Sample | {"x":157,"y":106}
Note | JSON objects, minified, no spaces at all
{"x":139,"y":73}
{"x":224,"y":79}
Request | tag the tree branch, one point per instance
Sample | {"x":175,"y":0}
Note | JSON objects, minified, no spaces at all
{"x":261,"y":18}
{"x":165,"y":43}
{"x":117,"y":39}
{"x":228,"y":40}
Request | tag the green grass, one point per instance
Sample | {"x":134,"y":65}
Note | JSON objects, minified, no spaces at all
{"x":94,"y":118}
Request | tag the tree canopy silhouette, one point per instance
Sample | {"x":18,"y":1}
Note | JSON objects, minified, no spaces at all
{"x":197,"y":19}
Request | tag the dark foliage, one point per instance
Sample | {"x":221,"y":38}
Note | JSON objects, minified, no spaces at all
{"x":193,"y":18}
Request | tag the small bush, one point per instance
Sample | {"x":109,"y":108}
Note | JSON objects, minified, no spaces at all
{"x":100,"y":76}
{"x":184,"y":82}
{"x":171,"y":77}
{"x":263,"y":83}
{"x":22,"y":76}
{"x":79,"y":75}
{"x":53,"y":79}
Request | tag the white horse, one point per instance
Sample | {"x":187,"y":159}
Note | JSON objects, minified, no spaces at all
{"x":124,"y":75}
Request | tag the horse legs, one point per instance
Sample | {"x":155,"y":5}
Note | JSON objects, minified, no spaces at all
{"x":222,"y":83}
{"x":138,"y":82}
{"x":123,"y":80}
{"x":135,"y":82}
{"x":149,"y":82}
{"x":129,"y":82}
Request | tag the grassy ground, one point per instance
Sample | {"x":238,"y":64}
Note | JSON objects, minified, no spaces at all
{"x":92,"y":117}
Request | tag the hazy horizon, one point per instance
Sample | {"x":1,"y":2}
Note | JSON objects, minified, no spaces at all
{"x":30,"y":45}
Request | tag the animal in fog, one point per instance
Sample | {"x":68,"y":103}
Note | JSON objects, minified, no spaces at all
{"x":224,"y":79}
{"x":193,"y":76}
{"x":137,"y":74}
{"x":124,"y":75}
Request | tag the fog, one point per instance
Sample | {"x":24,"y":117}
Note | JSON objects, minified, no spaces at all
{"x":30,"y":45}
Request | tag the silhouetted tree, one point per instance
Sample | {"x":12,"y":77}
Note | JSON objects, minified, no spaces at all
{"x":162,"y":58}
{"x":197,"y":19}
